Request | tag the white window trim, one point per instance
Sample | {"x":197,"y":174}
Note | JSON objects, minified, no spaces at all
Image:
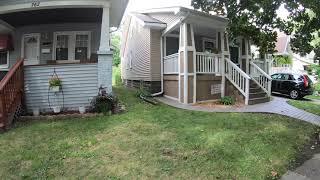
{"x":6,"y":66}
{"x":72,"y":44}
{"x":204,"y":40}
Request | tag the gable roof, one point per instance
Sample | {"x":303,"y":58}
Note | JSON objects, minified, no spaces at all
{"x":282,"y":44}
{"x":148,"y":21}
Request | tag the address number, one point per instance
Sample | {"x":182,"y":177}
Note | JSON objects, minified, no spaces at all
{"x":35,"y":4}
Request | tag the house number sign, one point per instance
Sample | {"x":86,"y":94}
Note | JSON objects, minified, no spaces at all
{"x":35,"y":4}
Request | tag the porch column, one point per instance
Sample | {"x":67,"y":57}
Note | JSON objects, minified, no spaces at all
{"x":187,"y":61}
{"x":105,"y":56}
{"x":247,"y":55}
{"x":223,"y":62}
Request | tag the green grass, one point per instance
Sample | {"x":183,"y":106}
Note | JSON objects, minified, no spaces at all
{"x":313,"y":97}
{"x":116,"y":78}
{"x":308,"y":106}
{"x":153,"y":142}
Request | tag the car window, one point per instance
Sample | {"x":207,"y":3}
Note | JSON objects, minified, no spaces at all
{"x":284,"y":77}
{"x":297,"y":77}
{"x":275,"y":76}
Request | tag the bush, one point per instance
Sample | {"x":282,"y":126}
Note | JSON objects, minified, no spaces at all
{"x":227,"y":100}
{"x":143,"y":91}
{"x":116,"y":80}
{"x":104,"y":103}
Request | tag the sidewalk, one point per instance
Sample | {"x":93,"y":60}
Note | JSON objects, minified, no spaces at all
{"x":310,"y":170}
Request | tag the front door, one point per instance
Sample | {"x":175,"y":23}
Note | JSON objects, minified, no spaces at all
{"x":31,"y":49}
{"x":234,"y":52}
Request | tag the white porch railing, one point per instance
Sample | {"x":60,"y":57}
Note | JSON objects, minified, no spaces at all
{"x":171,"y":64}
{"x":261,"y":78}
{"x":238,"y":78}
{"x":208,"y":63}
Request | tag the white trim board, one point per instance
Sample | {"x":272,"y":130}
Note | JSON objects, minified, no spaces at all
{"x":38,"y":5}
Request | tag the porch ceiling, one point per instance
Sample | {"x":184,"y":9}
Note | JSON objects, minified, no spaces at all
{"x":53,"y":16}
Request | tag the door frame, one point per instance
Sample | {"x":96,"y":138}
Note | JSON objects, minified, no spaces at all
{"x":239,"y":54}
{"x":38,"y":35}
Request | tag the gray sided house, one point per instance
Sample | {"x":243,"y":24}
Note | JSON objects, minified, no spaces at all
{"x":67,"y":39}
{"x":186,"y":56}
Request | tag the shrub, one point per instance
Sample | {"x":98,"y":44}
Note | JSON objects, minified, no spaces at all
{"x":117,"y":81}
{"x":227,"y":100}
{"x":143,"y":91}
{"x":104,"y":103}
{"x":283,"y":60}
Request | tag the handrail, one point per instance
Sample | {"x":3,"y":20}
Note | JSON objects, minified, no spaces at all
{"x":260,"y":70}
{"x":238,"y":69}
{"x":208,"y":63}
{"x":11,"y":93}
{"x":238,"y":78}
{"x":171,"y":56}
{"x":171,"y":64}
{"x":261,"y":78}
{"x":9,"y":75}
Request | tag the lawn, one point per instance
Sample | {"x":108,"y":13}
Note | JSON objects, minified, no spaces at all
{"x":153,"y":142}
{"x":306,"y":105}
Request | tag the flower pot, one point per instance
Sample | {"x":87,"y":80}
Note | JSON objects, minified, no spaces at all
{"x":55,"y":89}
{"x":82,"y":110}
{"x":57,"y":109}
{"x":36,"y":112}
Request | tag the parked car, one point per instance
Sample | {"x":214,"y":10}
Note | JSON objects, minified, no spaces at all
{"x":295,"y":85}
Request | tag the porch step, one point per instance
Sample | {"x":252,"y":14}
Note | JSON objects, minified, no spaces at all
{"x":255,"y":90}
{"x":260,"y":94}
{"x":259,"y":100}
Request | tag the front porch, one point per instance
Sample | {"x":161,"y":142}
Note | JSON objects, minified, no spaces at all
{"x":199,"y":65}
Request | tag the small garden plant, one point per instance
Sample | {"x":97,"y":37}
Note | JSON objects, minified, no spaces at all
{"x":55,"y":82}
{"x":227,"y":100}
{"x":104,"y":103}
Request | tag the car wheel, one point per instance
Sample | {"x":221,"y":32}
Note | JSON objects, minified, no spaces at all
{"x":294,"y":94}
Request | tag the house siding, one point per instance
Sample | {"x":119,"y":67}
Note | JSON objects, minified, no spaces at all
{"x":46,"y":32}
{"x":137,"y":48}
{"x":155,"y":54}
{"x":76,"y":79}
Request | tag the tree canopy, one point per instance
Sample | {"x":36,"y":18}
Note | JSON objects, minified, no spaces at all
{"x":258,"y":20}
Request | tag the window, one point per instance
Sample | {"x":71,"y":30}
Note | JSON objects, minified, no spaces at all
{"x":209,"y":45}
{"x":4,"y":59}
{"x":72,"y":45}
{"x":62,"y":47}
{"x":82,"y":44}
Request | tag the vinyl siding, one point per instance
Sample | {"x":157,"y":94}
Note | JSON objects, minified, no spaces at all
{"x":80,"y":85}
{"x":137,"y":48}
{"x":155,"y":54}
{"x":46,"y":32}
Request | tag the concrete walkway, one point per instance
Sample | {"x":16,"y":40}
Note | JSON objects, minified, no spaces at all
{"x":278,"y":105}
{"x":310,"y":170}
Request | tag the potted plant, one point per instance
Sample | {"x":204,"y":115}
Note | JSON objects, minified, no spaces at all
{"x":55,"y":84}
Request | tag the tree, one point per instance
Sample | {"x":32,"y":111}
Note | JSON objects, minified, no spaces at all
{"x":115,"y":43}
{"x":257,"y":20}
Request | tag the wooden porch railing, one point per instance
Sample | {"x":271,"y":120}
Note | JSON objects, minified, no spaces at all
{"x":11,"y":92}
{"x":208,"y":63}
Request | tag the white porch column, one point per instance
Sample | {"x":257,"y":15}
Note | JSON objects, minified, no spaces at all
{"x":187,"y":56}
{"x":105,"y":56}
{"x":223,"y":71}
{"x":246,"y":44}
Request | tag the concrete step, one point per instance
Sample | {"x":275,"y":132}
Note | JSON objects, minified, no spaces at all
{"x":258,"y":100}
{"x":257,"y":94}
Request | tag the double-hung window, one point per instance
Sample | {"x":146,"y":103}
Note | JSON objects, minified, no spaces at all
{"x":72,"y":45}
{"x":4,"y":59}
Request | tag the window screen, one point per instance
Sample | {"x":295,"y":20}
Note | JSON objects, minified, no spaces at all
{"x":81,"y":49}
{"x":62,"y":49}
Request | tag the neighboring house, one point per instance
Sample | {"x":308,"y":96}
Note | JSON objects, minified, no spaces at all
{"x":67,"y":38}
{"x":184,"y":55}
{"x":299,"y":64}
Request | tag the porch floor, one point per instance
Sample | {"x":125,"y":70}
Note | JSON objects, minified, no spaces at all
{"x":272,"y":107}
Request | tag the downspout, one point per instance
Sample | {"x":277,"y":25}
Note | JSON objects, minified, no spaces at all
{"x":161,"y":55}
